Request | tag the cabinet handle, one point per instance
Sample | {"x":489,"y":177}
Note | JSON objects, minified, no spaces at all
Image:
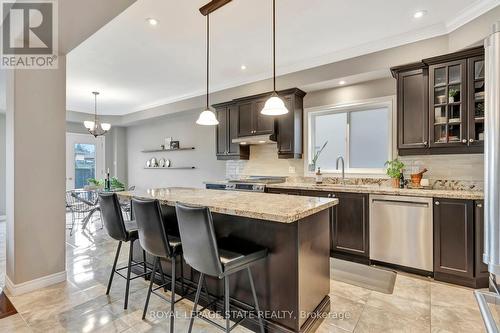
{"x":479,"y":206}
{"x":464,"y":140}
{"x":471,"y":140}
{"x":437,"y":203}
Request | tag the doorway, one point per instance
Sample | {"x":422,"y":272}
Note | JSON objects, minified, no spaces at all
{"x":85,"y":159}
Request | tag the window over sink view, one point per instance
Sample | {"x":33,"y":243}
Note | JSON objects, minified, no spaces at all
{"x":361,"y":134}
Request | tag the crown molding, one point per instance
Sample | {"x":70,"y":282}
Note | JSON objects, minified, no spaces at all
{"x":470,"y":13}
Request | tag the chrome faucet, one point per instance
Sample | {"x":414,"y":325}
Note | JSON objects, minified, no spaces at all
{"x":340,"y":158}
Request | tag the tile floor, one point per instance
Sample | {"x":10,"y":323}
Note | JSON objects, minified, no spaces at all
{"x":80,"y":304}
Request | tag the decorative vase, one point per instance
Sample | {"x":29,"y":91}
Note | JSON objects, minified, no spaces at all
{"x":395,"y":182}
{"x":451,"y":99}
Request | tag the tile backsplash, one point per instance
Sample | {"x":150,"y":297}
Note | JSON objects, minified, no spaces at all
{"x":444,"y":171}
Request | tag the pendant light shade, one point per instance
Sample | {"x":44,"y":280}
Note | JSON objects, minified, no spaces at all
{"x":274,"y":105}
{"x":208,"y":117}
{"x":96,"y":128}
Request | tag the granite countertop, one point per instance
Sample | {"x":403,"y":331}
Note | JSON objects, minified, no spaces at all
{"x":264,"y":206}
{"x":375,"y":189}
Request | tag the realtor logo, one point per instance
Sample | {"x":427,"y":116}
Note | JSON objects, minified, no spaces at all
{"x":29,"y":34}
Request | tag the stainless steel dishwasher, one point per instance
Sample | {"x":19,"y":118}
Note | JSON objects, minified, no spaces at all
{"x":401,"y":231}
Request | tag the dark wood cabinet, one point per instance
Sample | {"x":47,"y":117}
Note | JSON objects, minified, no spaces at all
{"x":289,"y":126}
{"x":350,"y":225}
{"x":475,"y":99}
{"x":227,"y":130}
{"x":413,"y":110}
{"x":448,"y":104}
{"x":243,"y":118}
{"x":481,"y":269}
{"x":441,"y":104}
{"x":454,"y":237}
{"x":251,"y":121}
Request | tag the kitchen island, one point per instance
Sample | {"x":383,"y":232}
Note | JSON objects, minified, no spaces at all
{"x":293,"y":282}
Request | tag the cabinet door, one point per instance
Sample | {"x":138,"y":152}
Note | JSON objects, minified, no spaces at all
{"x":222,"y":132}
{"x":232,"y":113}
{"x":413,"y":109}
{"x":263,"y":124}
{"x":476,"y":92}
{"x":481,"y":269}
{"x":286,"y":128}
{"x":350,"y":224}
{"x":454,"y":237}
{"x":447,"y":103}
{"x":245,"y":119}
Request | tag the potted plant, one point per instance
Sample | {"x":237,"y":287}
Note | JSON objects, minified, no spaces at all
{"x":393,"y":170}
{"x":312,"y":165}
{"x":452,"y":93}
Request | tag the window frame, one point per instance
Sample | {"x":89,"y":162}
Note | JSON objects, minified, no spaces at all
{"x":375,"y":103}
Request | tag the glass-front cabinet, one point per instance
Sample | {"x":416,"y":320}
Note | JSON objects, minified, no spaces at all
{"x":476,"y":100}
{"x":448,"y":105}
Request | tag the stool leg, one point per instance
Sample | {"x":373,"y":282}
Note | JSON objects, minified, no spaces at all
{"x":182,"y":275}
{"x":151,"y":279}
{"x":214,"y":306}
{"x":114,"y":267}
{"x":130,"y":255}
{"x":144,"y":260}
{"x":162,"y":276}
{"x":227,"y":309}
{"x":172,"y":298}
{"x":261,"y":323}
{"x":196,"y":299}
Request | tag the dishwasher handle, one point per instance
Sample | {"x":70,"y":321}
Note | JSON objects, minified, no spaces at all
{"x":401,"y":202}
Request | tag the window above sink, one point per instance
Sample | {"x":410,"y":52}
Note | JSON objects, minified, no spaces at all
{"x":361,"y":132}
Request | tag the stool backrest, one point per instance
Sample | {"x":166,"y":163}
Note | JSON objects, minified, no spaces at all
{"x":152,"y":234}
{"x":112,"y":217}
{"x":199,"y":244}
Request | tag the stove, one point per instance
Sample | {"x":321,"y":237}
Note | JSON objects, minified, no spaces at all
{"x":248,"y":184}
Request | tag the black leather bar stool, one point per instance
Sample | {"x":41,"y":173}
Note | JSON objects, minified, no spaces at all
{"x":121,"y":231}
{"x":217,"y":258}
{"x":155,"y":240}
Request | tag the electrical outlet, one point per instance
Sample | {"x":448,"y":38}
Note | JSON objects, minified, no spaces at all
{"x":291,"y":169}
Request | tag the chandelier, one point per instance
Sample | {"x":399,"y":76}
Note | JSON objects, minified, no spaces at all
{"x":96,"y":128}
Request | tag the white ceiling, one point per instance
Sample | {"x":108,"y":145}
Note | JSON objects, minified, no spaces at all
{"x":137,"y":66}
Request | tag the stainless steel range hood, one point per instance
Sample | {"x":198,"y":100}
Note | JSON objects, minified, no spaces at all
{"x":256,"y":139}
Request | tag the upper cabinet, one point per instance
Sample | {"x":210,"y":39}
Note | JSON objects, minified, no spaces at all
{"x":241,"y":118}
{"x":413,"y":114}
{"x":251,"y":122}
{"x":441,"y":104}
{"x":227,"y":130}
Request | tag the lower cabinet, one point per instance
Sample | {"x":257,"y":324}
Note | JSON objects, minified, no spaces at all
{"x":458,"y":226}
{"x":350,"y":225}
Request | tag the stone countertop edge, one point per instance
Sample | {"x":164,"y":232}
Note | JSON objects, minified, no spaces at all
{"x":261,"y":214}
{"x":428,"y":193}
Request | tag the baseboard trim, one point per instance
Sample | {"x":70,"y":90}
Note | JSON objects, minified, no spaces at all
{"x":3,"y":218}
{"x":28,"y":286}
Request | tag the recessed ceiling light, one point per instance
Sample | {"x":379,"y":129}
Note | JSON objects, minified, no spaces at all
{"x":419,"y":14}
{"x":243,"y":67}
{"x":152,"y":21}
{"x":342,"y":82}
{"x":243,"y":143}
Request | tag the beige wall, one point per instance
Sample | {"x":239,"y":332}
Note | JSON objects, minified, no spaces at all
{"x":2,"y":164}
{"x":36,"y":128}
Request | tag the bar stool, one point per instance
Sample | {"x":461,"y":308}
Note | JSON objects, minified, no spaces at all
{"x":121,"y":231}
{"x":202,"y":252}
{"x":155,"y":240}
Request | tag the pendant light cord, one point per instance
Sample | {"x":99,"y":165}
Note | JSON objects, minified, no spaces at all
{"x":274,"y":45}
{"x":95,"y":109}
{"x":208,"y":57}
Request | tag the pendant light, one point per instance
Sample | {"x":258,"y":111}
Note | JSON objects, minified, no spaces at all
{"x":207,"y":117}
{"x":274,"y":105}
{"x":96,"y":128}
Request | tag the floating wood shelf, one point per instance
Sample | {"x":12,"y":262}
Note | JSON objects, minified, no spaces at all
{"x":165,"y":150}
{"x":165,"y":168}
